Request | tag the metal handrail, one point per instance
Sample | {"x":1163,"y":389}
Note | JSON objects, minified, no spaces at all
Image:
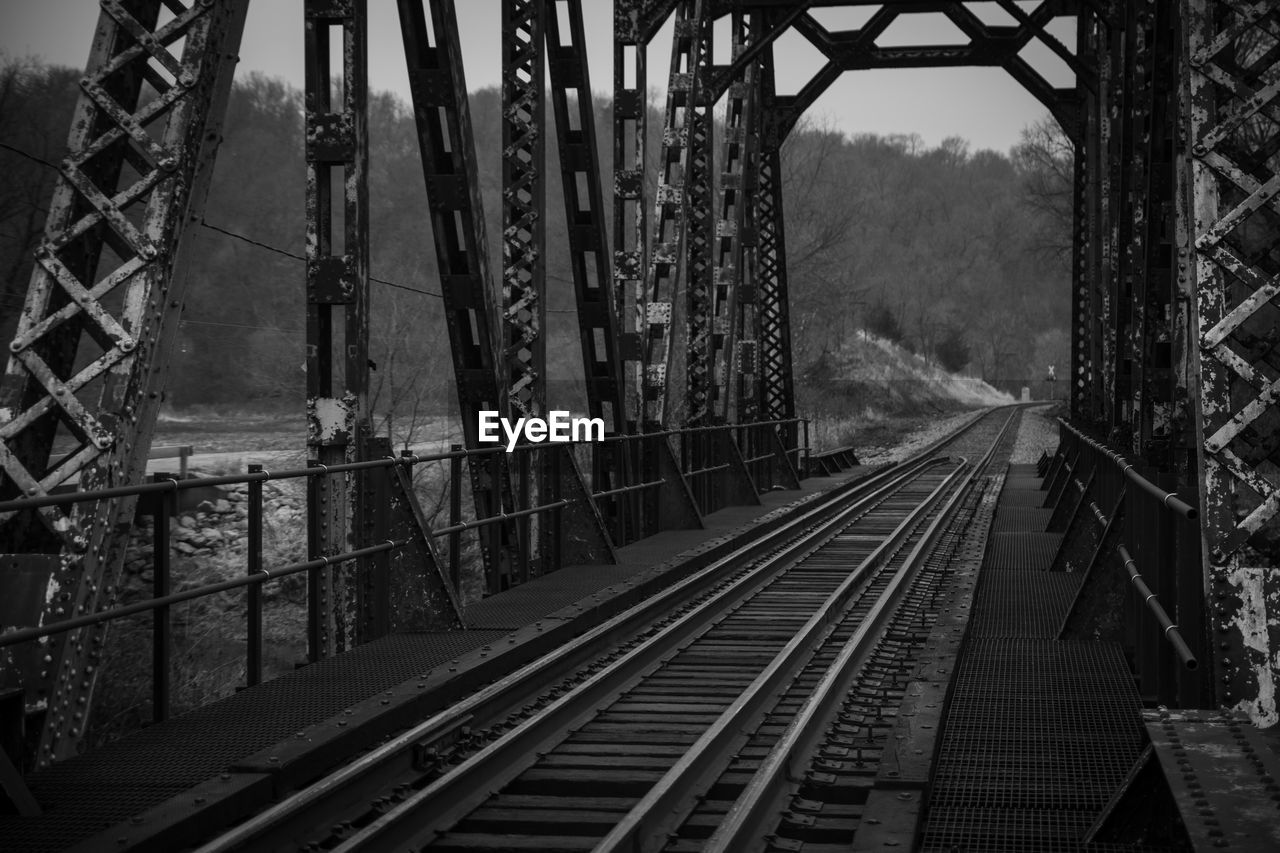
{"x":1168,"y":626}
{"x":408,"y":460}
{"x":1169,"y":499}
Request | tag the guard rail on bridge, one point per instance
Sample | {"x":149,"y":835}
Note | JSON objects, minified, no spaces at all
{"x":1126,"y":529}
{"x":675,"y":478}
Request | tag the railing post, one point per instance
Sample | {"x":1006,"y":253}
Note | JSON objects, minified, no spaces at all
{"x":553,"y":541}
{"x":455,"y":518}
{"x":165,"y":505}
{"x":523,"y":523}
{"x":315,"y":576}
{"x":1189,"y":607}
{"x":253,"y":651}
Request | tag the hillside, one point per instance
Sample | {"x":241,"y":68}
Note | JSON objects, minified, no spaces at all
{"x":869,"y":392}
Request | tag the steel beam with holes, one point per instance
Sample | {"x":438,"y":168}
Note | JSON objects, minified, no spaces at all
{"x":438,"y":88}
{"x":1233,"y":125}
{"x":580,"y":167}
{"x":337,"y":205}
{"x":734,"y":324}
{"x":1083,"y":237}
{"x":109,"y":279}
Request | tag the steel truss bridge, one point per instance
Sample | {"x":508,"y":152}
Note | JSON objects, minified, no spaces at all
{"x":1174,"y":116}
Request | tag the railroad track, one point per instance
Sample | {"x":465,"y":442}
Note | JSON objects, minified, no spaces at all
{"x":708,"y":701}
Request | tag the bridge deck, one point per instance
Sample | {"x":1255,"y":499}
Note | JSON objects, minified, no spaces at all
{"x":1038,"y":734}
{"x":241,"y":748}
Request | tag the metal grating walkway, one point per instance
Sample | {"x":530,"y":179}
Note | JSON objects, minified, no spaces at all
{"x":1038,"y":736}
{"x":1038,"y":733}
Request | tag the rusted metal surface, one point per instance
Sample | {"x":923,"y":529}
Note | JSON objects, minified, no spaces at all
{"x":128,"y":308}
{"x":337,"y":204}
{"x":1233,"y":105}
{"x":524,"y":206}
{"x":634,"y":24}
{"x":655,"y":303}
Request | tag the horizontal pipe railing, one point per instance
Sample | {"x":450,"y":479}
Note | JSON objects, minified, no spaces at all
{"x":1167,"y":625}
{"x":1144,"y":525}
{"x":167,"y":486}
{"x":1169,"y":499}
{"x":24,"y":635}
{"x":408,"y":460}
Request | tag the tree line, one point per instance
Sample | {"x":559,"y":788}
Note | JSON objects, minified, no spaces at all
{"x":955,"y":254}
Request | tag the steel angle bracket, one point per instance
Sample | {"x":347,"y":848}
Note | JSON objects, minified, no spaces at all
{"x":672,"y":503}
{"x":584,"y":539}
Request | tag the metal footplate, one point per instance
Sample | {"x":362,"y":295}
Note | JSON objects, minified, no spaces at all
{"x":1224,"y":775}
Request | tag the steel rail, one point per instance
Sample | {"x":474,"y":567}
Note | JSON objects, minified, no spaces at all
{"x":657,"y":812}
{"x":741,"y":828}
{"x":468,"y":784}
{"x":394,"y":756}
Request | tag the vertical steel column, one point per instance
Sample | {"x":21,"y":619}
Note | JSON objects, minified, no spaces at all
{"x":1233,"y":82}
{"x":524,"y":206}
{"x":734,"y":340}
{"x":439,"y":91}
{"x":337,"y":156}
{"x":1140,"y":133}
{"x":1099,"y":219}
{"x":654,"y":304}
{"x":161,"y":114}
{"x":1083,"y":230}
{"x":703,"y":232}
{"x":584,"y":208}
{"x":1111,"y":196}
{"x":777,"y":390}
{"x":1125,"y":228}
{"x":630,"y":213}
{"x":1155,"y":408}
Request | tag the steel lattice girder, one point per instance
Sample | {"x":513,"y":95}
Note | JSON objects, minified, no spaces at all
{"x":1233,"y":118}
{"x":701,"y":227}
{"x":735,"y":328}
{"x":524,"y":206}
{"x":337,"y":159}
{"x":777,"y":391}
{"x":654,"y":311}
{"x":130,"y":311}
{"x":438,"y":88}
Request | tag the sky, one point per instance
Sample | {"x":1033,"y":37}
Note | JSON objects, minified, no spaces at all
{"x":982,"y":105}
